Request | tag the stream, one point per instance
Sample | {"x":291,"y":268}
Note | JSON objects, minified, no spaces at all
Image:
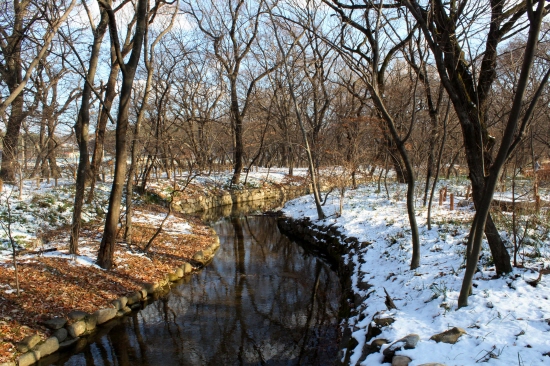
{"x":263,"y":300}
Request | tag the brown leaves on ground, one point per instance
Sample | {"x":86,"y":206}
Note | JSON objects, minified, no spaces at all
{"x":53,"y":286}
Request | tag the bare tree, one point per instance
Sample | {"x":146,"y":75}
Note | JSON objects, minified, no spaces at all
{"x":106,"y":251}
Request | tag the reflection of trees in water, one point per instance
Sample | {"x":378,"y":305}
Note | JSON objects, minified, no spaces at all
{"x":263,"y":300}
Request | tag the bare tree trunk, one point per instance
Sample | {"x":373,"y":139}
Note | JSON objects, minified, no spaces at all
{"x":106,"y":250}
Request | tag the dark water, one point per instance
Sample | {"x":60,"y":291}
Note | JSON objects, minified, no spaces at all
{"x":263,"y":300}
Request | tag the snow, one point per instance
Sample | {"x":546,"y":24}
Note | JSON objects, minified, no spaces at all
{"x":507,"y":320}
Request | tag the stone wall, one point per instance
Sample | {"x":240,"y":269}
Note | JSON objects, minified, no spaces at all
{"x":226,"y":198}
{"x":339,"y":248}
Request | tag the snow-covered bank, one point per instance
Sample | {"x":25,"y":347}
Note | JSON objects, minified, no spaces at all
{"x":507,"y":321}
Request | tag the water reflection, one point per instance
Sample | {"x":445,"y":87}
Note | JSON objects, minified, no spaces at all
{"x":262,"y":301}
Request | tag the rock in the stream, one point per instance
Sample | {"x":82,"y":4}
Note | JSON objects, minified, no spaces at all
{"x":400,"y":361}
{"x":407,"y":342}
{"x":133,"y":298}
{"x":28,"y":343}
{"x":76,"y":315}
{"x":49,"y":346}
{"x":104,"y":315}
{"x":120,"y":302}
{"x":199,"y":257}
{"x":449,"y":336}
{"x":61,"y":334}
{"x":55,"y":323}
{"x":77,"y":328}
{"x":28,"y":358}
{"x":68,"y":343}
{"x":172,"y":277}
{"x":187,"y":268}
{"x":151,"y":288}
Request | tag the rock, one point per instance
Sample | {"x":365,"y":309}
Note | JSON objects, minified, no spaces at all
{"x":133,"y":298}
{"x":151,"y":288}
{"x":120,"y":302}
{"x":463,"y":203}
{"x":61,"y":334}
{"x":77,"y":328}
{"x":135,"y":306}
{"x":91,"y":322}
{"x":28,"y":358}
{"x":50,"y":346}
{"x":373,"y":347}
{"x":143,"y":293}
{"x":383,"y":322}
{"x":28,"y":343}
{"x":126,"y":310}
{"x":449,"y":336}
{"x":7,"y":364}
{"x":55,"y":323}
{"x":179,"y":272}
{"x":68,"y":343}
{"x":199,"y":256}
{"x":400,"y":361}
{"x":407,"y":342}
{"x":172,"y":277}
{"x":104,"y":315}
{"x":76,"y":315}
{"x":207,"y":252}
{"x":187,"y":268}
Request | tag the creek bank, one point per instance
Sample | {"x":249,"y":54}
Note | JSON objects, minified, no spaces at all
{"x":220,"y":198}
{"x":341,"y":249}
{"x":72,"y":331}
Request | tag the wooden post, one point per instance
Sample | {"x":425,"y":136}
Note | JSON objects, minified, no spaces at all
{"x":468,"y":192}
{"x":1,"y":185}
{"x":452,"y":201}
{"x":441,"y":198}
{"x":444,"y":194}
{"x":537,"y":203}
{"x":38,"y":182}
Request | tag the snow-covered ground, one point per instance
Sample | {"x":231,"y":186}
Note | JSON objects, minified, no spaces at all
{"x":507,"y":320}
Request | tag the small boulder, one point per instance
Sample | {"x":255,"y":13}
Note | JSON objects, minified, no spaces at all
{"x":28,"y":358}
{"x":179,"y":272}
{"x":104,"y":315}
{"x":55,"y":323}
{"x":199,"y":257}
{"x":150,"y":288}
{"x":91,"y":322}
{"x":76,"y":329}
{"x":450,"y":336}
{"x":187,"y":268}
{"x":383,"y":322}
{"x":172,"y":277}
{"x":133,"y":298}
{"x":373,"y":347}
{"x":143,"y":293}
{"x":68,"y":343}
{"x":61,"y":334}
{"x":400,"y":361}
{"x":49,"y":346}
{"x":407,"y":342}
{"x":76,"y":315}
{"x":28,"y":343}
{"x":120,"y":302}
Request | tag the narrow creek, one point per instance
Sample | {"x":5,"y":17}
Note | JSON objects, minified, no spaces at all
{"x":263,"y":300}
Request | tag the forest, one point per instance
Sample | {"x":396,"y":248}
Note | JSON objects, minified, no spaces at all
{"x":348,"y":89}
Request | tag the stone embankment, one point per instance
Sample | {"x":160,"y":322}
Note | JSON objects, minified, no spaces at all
{"x":69,"y":331}
{"x":228,"y":198}
{"x":78,"y":325}
{"x":340,"y":248}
